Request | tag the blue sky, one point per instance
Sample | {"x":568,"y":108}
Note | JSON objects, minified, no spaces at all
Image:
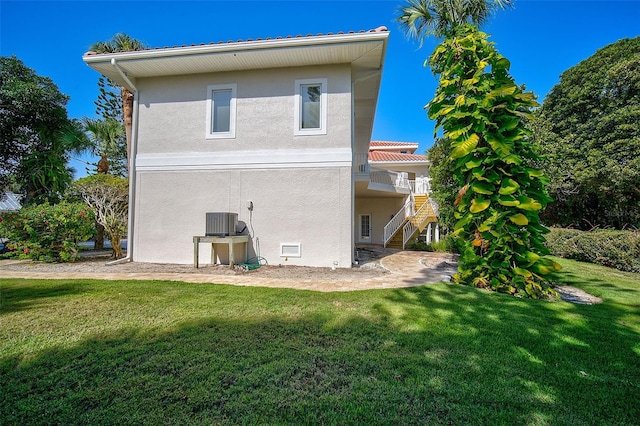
{"x":541,"y":38}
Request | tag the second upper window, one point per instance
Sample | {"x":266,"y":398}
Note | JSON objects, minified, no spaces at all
{"x":311,"y":107}
{"x":221,"y":111}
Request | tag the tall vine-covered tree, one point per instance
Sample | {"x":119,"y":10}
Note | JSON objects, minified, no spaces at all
{"x":483,"y":115}
{"x":35,"y":133}
{"x":420,"y":19}
{"x":485,"y":149}
{"x":122,"y":43}
{"x":589,"y":129}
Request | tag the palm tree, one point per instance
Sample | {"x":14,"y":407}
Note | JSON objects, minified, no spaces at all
{"x":122,"y":43}
{"x":422,"y":18}
{"x":104,"y":136}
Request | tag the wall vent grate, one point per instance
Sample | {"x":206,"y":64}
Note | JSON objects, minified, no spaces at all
{"x":290,"y":250}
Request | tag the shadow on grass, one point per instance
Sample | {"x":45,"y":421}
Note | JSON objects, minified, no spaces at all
{"x":555,"y":362}
{"x":428,"y":355}
{"x":570,"y":278}
{"x":15,"y":297}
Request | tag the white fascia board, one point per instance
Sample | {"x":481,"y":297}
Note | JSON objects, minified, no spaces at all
{"x":238,"y":46}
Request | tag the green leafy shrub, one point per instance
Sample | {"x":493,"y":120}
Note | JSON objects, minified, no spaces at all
{"x":48,"y":232}
{"x":615,"y":249}
{"x":421,"y":246}
{"x":447,"y":244}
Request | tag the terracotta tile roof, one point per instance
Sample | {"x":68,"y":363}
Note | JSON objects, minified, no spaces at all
{"x":299,"y":36}
{"x":386,"y":156}
{"x":391,"y":143}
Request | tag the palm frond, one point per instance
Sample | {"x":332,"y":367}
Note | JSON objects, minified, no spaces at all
{"x":417,"y":19}
{"x":118,"y":43}
{"x":105,"y":135}
{"x":420,"y":19}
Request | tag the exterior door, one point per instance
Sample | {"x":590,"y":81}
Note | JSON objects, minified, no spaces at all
{"x":364,"y":235}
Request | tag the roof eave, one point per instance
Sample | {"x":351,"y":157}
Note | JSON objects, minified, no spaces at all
{"x":91,"y":57}
{"x":227,"y":56}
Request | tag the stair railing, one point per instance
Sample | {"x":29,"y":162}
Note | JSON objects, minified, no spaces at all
{"x":398,"y":219}
{"x":407,"y":232}
{"x":410,"y":228}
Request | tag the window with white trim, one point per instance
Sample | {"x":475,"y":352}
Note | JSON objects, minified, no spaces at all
{"x":311,"y":107}
{"x":221,"y":111}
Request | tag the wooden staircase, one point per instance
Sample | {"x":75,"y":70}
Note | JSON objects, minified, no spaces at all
{"x":420,"y":220}
{"x":396,"y":241}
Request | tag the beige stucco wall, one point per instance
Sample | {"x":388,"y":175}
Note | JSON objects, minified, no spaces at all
{"x":173,"y":111}
{"x":381,"y":211}
{"x":307,"y":206}
{"x":300,"y":186}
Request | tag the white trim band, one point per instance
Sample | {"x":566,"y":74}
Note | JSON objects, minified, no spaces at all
{"x":276,"y":159}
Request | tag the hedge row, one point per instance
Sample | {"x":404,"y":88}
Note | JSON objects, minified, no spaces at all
{"x":615,"y":249}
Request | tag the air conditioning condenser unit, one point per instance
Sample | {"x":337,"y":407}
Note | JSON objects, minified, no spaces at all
{"x":221,"y":224}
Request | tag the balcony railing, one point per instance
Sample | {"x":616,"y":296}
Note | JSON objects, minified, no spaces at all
{"x":421,"y":185}
{"x":399,"y":180}
{"x":387,"y":177}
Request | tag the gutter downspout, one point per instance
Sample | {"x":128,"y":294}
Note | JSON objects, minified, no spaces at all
{"x":132,"y":168}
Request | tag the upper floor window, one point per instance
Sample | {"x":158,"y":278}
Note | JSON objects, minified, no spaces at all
{"x":221,"y":111}
{"x":311,"y":107}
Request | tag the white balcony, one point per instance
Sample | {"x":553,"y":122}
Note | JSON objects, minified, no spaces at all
{"x":388,"y":181}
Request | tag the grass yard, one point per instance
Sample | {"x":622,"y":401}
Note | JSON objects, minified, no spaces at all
{"x":130,"y":352}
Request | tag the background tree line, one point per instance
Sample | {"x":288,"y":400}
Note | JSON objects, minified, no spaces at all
{"x":589,"y":130}
{"x":37,"y":141}
{"x":588,"y":133}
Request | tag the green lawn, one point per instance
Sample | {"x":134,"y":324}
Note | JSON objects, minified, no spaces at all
{"x":130,"y":352}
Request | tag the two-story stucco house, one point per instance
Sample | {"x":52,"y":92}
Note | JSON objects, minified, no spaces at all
{"x":275,"y":130}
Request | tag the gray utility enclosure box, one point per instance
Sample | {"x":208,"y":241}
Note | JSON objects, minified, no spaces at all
{"x":221,"y":223}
